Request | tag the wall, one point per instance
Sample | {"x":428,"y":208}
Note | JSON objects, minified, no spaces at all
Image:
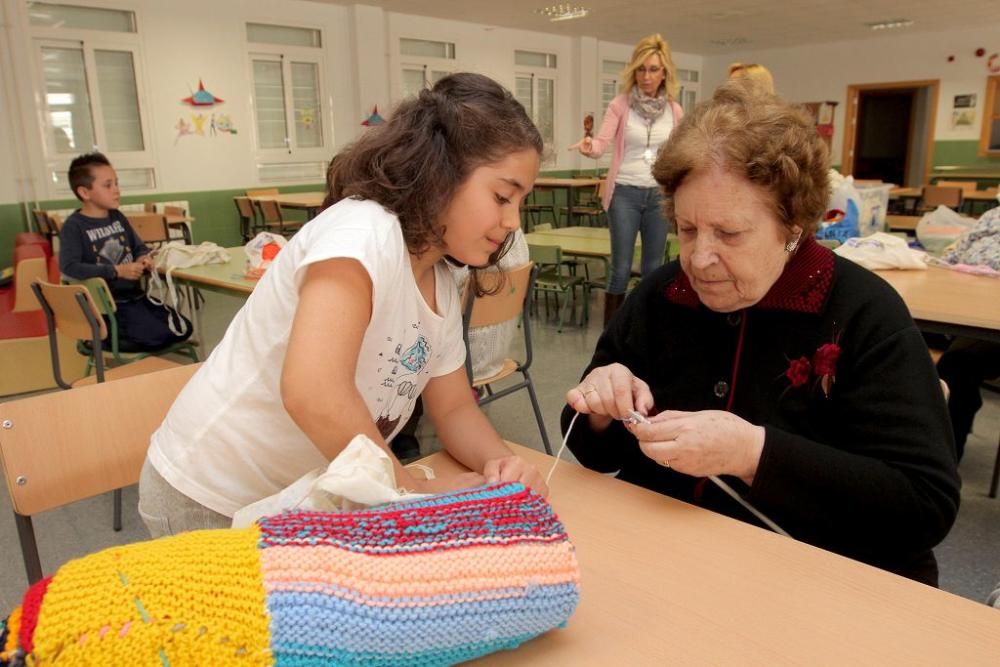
{"x":187,"y":40}
{"x":824,"y":71}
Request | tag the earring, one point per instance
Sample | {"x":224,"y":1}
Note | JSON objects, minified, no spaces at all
{"x":793,"y":244}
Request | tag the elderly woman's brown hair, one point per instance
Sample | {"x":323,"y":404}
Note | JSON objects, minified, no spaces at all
{"x":748,"y":133}
{"x":646,"y":47}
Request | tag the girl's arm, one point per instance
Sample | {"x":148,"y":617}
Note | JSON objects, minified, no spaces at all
{"x":318,"y":387}
{"x":470,"y":437}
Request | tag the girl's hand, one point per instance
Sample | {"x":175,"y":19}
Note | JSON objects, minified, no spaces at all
{"x":465,"y":480}
{"x":515,"y":469}
{"x":708,"y":442}
{"x":610,"y":392}
{"x":585,"y":146}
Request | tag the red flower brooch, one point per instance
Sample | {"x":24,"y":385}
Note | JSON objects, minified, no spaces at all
{"x":823,"y":367}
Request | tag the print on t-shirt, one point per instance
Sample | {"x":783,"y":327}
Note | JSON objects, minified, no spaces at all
{"x":403,"y":389}
{"x":110,"y":244}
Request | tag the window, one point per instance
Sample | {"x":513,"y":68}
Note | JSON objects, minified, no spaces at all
{"x":535,"y":88}
{"x":90,"y":79}
{"x":286,"y":71}
{"x":611,"y":71}
{"x":423,"y":63}
{"x":688,"y":95}
{"x":989,"y":141}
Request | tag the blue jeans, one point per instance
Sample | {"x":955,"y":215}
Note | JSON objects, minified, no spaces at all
{"x":634,"y":210}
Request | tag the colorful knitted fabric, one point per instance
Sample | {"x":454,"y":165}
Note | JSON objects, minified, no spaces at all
{"x":431,"y":582}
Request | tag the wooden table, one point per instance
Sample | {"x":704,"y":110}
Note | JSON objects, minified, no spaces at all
{"x":222,"y":278}
{"x":902,"y":223}
{"x":310,"y":202}
{"x":570,"y":185}
{"x":951,"y":302}
{"x":972,"y":195}
{"x":666,"y":583}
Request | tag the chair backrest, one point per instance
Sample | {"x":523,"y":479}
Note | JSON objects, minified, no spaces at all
{"x":174,"y":210}
{"x":149,"y":207}
{"x":46,"y":226}
{"x":74,"y":312}
{"x":49,"y":462}
{"x":30,"y":264}
{"x":936,"y":195}
{"x":262,"y":192}
{"x":967,"y":186}
{"x":269,"y":210}
{"x":507,"y":303}
{"x":244,"y":207}
{"x":150,"y":227}
{"x":545,"y":255}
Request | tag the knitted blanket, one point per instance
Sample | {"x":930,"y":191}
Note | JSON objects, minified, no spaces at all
{"x":430,"y":582}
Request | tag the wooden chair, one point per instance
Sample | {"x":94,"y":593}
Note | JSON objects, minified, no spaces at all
{"x":47,"y":227}
{"x":537,"y":203}
{"x":272,"y":219}
{"x":590,"y":208}
{"x":513,"y":299}
{"x":550,"y":280}
{"x":244,"y":209}
{"x":151,"y":228}
{"x":77,"y":317}
{"x":182,"y":227}
{"x":262,"y":192}
{"x":63,"y":447}
{"x":933,"y":196}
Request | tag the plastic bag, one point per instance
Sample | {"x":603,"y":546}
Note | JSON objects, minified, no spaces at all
{"x":360,"y":476}
{"x":841,"y":220}
{"x":261,"y":251}
{"x":881,"y":251}
{"x":942,"y":227}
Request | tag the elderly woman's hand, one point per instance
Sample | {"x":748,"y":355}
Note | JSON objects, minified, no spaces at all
{"x":708,"y":442}
{"x":608,"y":393}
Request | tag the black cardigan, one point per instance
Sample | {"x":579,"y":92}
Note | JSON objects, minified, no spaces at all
{"x":864,"y":468}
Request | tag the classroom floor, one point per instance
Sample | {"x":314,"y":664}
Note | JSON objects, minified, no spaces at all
{"x":969,"y":559}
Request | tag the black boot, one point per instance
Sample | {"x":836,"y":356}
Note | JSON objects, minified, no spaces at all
{"x":611,"y":304}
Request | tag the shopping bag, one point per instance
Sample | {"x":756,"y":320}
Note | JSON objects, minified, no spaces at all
{"x":261,"y":251}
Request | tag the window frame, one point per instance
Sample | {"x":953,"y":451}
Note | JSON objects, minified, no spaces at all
{"x":429,"y":65}
{"x":549,"y":73}
{"x":990,"y":116}
{"x":89,"y":42}
{"x":286,"y":55}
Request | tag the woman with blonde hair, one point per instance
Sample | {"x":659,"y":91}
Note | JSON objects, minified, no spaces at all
{"x":636,"y":123}
{"x":756,"y":75}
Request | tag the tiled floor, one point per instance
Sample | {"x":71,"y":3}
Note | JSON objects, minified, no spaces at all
{"x":970,"y":560}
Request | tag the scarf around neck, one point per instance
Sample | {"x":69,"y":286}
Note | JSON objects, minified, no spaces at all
{"x":649,"y":108}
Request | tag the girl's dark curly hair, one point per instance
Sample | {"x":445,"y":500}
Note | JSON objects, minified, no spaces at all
{"x":415,"y":163}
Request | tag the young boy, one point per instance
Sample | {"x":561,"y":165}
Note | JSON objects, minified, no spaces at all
{"x":98,"y":241}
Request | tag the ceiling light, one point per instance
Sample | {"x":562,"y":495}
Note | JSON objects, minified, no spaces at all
{"x":889,"y":25}
{"x":563,"y":12}
{"x":730,"y":41}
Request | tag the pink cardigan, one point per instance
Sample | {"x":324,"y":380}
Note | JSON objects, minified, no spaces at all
{"x":613,"y":127}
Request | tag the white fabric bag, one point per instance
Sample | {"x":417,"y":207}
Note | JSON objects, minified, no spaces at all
{"x":882,"y":251}
{"x":360,"y":476}
{"x":178,"y":255}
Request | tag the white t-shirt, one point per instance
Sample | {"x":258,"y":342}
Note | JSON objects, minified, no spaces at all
{"x":227,"y":441}
{"x":635,"y":170}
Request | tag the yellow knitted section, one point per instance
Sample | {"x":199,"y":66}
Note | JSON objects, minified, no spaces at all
{"x":192,"y":599}
{"x":13,"y":629}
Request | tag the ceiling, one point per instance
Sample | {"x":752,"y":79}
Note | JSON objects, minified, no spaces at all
{"x":709,"y":27}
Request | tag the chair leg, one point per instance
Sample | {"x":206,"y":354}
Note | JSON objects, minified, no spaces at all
{"x":29,"y":548}
{"x":538,"y":413}
{"x":996,"y":473}
{"x":116,"y":500}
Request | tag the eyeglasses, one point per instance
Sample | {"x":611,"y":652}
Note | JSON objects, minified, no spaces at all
{"x":654,"y":70}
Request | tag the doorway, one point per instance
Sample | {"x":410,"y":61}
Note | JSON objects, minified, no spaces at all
{"x":890,"y":132}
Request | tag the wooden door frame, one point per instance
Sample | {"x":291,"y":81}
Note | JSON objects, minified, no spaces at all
{"x":851,"y":121}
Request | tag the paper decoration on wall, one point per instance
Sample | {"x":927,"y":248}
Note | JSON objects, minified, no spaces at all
{"x":374,"y":118}
{"x":963,"y":113}
{"x":195,"y":125}
{"x":202,"y":98}
{"x":822,"y":113}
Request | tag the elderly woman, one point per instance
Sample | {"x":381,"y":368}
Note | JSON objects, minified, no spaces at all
{"x":637,"y":122}
{"x":762,"y":357}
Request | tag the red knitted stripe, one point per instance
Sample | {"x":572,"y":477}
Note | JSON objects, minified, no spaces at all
{"x":30,"y":608}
